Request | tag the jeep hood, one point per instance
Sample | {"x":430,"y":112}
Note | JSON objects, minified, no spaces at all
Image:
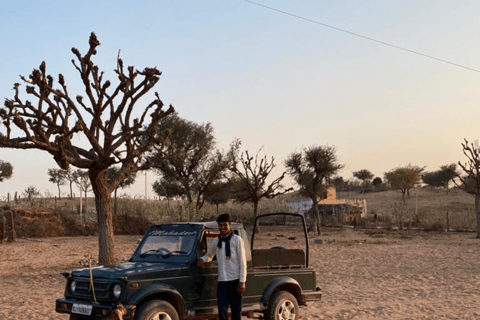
{"x":130,"y":270}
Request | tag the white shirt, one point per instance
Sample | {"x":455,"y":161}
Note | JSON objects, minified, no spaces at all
{"x":233,"y":268}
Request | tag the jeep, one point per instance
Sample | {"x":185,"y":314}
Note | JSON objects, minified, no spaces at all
{"x":161,"y":279}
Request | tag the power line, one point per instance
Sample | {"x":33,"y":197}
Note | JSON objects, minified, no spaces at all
{"x":361,"y":36}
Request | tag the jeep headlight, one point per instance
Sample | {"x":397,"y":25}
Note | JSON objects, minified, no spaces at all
{"x":73,"y":286}
{"x":117,"y":291}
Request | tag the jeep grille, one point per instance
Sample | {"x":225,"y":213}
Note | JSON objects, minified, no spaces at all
{"x":83,"y":290}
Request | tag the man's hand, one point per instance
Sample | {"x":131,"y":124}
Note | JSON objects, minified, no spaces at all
{"x":241,"y":287}
{"x":200,"y":263}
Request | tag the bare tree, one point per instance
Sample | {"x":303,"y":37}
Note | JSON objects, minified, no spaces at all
{"x":30,"y":193}
{"x":471,"y":168}
{"x":251,"y":175}
{"x":114,"y":122}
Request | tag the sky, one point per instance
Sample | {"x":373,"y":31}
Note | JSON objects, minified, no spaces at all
{"x":278,"y":81}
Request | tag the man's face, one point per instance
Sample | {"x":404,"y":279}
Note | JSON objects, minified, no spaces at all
{"x":224,"y":228}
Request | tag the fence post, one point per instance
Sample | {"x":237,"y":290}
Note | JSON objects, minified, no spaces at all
{"x":448,"y":223}
{"x":13,"y":235}
{"x":2,"y":230}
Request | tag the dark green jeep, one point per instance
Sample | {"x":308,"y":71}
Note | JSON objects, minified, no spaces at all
{"x":162,"y":281}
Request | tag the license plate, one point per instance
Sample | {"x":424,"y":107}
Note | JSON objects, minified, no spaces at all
{"x":84,"y":309}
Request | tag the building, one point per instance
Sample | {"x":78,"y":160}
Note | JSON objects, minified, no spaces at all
{"x":347,"y":209}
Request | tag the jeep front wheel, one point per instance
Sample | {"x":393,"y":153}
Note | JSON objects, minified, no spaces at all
{"x":156,"y":310}
{"x":282,"y":306}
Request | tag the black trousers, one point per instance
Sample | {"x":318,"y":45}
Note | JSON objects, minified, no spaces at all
{"x":228,"y":296}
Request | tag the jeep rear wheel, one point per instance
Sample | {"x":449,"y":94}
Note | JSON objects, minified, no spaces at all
{"x":156,"y":310}
{"x":282,"y":306}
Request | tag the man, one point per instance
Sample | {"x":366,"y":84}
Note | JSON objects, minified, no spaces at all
{"x":232,"y":268}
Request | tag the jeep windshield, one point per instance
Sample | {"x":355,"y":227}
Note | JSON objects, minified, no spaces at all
{"x":167,"y":242}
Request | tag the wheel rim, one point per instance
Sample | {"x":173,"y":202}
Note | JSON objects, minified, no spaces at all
{"x":161,"y":316}
{"x":286,"y":311}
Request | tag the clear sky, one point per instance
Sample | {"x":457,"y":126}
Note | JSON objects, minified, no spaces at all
{"x":270,"y":79}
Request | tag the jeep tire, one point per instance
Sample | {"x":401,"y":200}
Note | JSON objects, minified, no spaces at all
{"x":282,"y":306}
{"x":156,"y":310}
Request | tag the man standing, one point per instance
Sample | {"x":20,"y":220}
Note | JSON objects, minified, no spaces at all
{"x":232,"y":268}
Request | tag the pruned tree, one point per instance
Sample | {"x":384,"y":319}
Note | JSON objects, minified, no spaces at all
{"x":404,"y":179}
{"x":471,"y":179}
{"x":57,"y":176}
{"x":31,"y":192}
{"x":111,"y":124}
{"x":364,"y":175}
{"x":191,"y":164}
{"x":250,"y":178}
{"x":313,"y":169}
{"x":6,"y":170}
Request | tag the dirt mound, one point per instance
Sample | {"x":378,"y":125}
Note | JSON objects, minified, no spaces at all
{"x":41,"y":222}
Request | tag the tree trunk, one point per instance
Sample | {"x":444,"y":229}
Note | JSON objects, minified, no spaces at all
{"x":255,"y":212}
{"x":59,"y":195}
{"x":318,"y":221}
{"x":103,"y":204}
{"x":86,"y":202}
{"x":318,"y":218}
{"x":477,"y":213}
{"x":115,"y":204}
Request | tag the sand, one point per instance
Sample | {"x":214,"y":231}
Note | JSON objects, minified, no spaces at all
{"x":364,"y":274}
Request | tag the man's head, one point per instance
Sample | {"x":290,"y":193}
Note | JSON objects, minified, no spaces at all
{"x":224,"y":224}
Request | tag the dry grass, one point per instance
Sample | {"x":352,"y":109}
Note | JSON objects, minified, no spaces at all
{"x":425,"y":208}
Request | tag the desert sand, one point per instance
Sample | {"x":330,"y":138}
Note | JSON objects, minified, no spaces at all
{"x":364,"y":274}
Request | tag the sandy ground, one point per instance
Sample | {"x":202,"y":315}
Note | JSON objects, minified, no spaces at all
{"x":363,"y":274}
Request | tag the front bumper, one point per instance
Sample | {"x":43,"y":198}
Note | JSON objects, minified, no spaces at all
{"x":98,"y":310}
